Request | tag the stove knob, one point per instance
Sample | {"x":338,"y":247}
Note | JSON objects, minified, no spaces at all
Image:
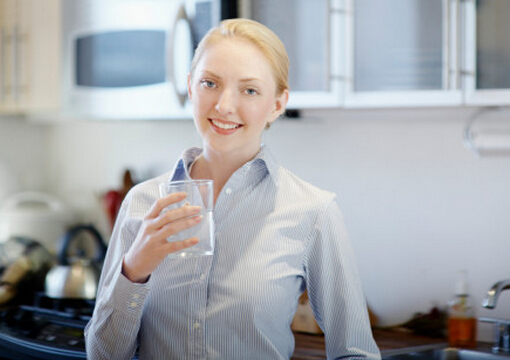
{"x":25,"y":321}
{"x":50,"y":338}
{"x":73,"y":342}
{"x":11,"y":317}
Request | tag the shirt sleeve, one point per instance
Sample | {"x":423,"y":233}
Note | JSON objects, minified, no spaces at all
{"x":335,"y":291}
{"x":113,"y":330}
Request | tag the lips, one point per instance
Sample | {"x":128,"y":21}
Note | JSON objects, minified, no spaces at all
{"x":224,"y":126}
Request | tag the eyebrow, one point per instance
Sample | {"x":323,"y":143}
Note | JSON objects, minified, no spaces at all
{"x":210,"y":73}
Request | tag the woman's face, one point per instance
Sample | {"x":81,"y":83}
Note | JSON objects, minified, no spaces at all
{"x":233,"y":93}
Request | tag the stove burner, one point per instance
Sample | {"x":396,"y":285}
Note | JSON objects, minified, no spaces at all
{"x":65,"y":308}
{"x":47,"y":329}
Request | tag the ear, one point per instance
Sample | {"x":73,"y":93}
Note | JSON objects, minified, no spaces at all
{"x":189,"y":86}
{"x":280,"y":105}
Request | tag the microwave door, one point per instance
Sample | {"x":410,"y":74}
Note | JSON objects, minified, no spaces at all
{"x":180,"y":54}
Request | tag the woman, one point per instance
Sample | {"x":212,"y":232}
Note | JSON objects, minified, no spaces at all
{"x":276,"y":235}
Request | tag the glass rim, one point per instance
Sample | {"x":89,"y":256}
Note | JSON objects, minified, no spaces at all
{"x":185,"y":182}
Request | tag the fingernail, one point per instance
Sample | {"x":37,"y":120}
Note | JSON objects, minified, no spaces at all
{"x":198,"y":218}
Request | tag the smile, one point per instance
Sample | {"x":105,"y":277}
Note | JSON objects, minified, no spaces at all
{"x":225,"y":126}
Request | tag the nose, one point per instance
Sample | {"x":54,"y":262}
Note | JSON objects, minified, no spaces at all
{"x":227,"y":102}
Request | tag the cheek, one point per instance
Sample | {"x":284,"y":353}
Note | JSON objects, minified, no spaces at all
{"x":203,"y":101}
{"x":260,"y":112}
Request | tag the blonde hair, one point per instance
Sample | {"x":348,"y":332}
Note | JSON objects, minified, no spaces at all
{"x":257,"y":34}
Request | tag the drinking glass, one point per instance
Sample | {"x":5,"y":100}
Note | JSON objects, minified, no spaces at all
{"x":199,"y":193}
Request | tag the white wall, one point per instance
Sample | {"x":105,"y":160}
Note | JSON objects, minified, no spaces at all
{"x":418,"y":205}
{"x":22,"y":157}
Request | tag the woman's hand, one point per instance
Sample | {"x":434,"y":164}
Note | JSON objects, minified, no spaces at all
{"x":151,"y":247}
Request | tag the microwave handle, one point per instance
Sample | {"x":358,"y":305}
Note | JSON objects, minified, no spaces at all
{"x":182,"y":94}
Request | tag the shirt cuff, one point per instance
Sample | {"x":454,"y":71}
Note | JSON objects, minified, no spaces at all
{"x":129,"y":297}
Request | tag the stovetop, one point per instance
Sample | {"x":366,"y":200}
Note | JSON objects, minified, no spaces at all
{"x":47,"y":329}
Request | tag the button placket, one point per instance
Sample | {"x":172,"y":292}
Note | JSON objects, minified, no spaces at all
{"x":197,"y":304}
{"x":134,"y":300}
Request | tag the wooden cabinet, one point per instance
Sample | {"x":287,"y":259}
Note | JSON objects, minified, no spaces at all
{"x":8,"y":71}
{"x":29,"y":55}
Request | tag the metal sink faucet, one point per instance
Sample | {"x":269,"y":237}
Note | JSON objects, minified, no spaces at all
{"x":501,"y":327}
{"x":492,"y":295}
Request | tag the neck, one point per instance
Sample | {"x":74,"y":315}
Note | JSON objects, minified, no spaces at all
{"x":218,"y":166}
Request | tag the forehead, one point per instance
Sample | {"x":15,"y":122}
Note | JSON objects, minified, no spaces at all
{"x":234,"y":54}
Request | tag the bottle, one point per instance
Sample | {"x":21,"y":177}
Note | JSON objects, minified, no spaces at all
{"x":461,"y":317}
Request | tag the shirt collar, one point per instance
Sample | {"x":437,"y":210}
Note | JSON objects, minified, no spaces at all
{"x":264,"y":160}
{"x":181,"y":168}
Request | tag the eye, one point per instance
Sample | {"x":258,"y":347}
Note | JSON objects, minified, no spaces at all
{"x":207,"y":84}
{"x":251,"y":91}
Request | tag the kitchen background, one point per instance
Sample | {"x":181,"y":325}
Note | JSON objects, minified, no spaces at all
{"x":419,"y":206}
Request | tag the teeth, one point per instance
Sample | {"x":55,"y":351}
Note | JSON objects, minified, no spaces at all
{"x":224,"y":126}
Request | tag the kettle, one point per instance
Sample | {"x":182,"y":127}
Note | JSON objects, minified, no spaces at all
{"x":76,"y":277}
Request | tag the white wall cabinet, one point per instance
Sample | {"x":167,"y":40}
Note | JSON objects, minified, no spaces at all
{"x":487,"y":52}
{"x":412,"y":53}
{"x":29,"y":55}
{"x":312,"y":32}
{"x":392,"y":53}
{"x":344,"y":53}
{"x":402,"y":53}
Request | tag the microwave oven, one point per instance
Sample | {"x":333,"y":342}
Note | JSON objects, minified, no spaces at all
{"x":129,"y":59}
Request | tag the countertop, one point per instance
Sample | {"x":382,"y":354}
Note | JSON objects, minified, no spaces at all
{"x":311,"y":347}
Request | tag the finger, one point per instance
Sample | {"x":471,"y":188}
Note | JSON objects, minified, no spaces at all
{"x":178,"y":226}
{"x":163,"y":202}
{"x":180,"y":245}
{"x":177,"y":214}
{"x":169,"y":216}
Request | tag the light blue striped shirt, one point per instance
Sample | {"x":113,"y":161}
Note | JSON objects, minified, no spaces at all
{"x":275,"y":236}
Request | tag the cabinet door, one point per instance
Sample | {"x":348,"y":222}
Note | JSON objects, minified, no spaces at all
{"x":8,"y":56}
{"x":487,"y":52}
{"x":402,"y":53}
{"x":40,"y":55}
{"x":311,"y":33}
{"x":29,"y":55}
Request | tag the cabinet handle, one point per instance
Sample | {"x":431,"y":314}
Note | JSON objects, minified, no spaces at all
{"x":2,"y":65}
{"x":15,"y":64}
{"x":451,"y":63}
{"x":447,"y":40}
{"x":457,"y":46}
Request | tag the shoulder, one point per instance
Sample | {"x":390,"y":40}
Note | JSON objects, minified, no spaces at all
{"x":291,"y":185}
{"x":141,"y":196}
{"x":300,"y":189}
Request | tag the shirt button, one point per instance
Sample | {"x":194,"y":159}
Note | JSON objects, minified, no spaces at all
{"x":136,"y":296}
{"x":228,"y":191}
{"x":202,"y":276}
{"x":196,"y":325}
{"x":133,"y":304}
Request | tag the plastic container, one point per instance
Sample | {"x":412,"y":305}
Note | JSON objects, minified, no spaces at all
{"x":461,"y":316}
